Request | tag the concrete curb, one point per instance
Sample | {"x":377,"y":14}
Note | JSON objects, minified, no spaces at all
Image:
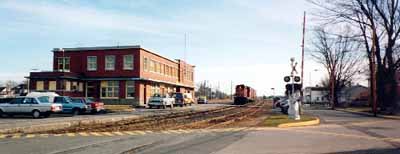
{"x":63,"y":125}
{"x":300,"y":124}
{"x":370,"y":114}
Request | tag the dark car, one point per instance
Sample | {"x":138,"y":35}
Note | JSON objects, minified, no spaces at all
{"x":70,"y":106}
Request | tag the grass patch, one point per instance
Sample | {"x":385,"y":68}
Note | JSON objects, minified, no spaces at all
{"x":275,"y":120}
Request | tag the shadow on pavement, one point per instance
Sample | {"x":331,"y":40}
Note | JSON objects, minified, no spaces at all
{"x":371,"y":151}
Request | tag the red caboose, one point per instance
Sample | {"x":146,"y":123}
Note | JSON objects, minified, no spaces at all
{"x":244,"y":94}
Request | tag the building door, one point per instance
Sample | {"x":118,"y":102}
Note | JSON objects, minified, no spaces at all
{"x":92,"y":89}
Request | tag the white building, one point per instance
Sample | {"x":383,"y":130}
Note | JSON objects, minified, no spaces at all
{"x":316,"y":95}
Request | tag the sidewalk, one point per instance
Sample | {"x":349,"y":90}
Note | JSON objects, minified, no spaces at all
{"x":395,"y":117}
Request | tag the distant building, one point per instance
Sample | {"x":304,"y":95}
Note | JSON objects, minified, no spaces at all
{"x":114,"y":74}
{"x":357,"y":95}
{"x":316,"y":95}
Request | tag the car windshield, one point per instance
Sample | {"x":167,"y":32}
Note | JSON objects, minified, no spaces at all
{"x":76,"y":100}
{"x":17,"y":100}
{"x":44,"y":99}
{"x":178,"y":95}
{"x":68,"y":99}
{"x":89,"y":100}
{"x":156,"y":95}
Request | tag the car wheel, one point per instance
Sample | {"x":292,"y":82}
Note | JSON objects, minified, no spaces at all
{"x":35,"y":114}
{"x":75,"y":112}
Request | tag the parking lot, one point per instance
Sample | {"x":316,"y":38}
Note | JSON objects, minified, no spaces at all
{"x":65,"y":119}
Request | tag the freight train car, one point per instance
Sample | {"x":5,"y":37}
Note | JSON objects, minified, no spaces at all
{"x":244,"y":94}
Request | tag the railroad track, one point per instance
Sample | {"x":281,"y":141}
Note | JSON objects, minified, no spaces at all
{"x":177,"y":120}
{"x":225,"y":119}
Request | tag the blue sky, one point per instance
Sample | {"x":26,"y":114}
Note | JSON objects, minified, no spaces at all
{"x":247,"y":42}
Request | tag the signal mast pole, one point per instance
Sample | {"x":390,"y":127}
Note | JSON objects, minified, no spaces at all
{"x":302,"y":62}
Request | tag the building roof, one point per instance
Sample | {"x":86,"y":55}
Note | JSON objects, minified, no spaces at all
{"x":96,"y":48}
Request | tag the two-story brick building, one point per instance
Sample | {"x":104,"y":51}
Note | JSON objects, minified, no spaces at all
{"x":114,"y":75}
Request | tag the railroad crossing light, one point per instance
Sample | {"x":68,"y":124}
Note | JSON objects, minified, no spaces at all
{"x":286,"y":78}
{"x":296,"y":87}
{"x":297,"y":78}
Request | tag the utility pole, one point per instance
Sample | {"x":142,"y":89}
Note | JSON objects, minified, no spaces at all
{"x":373,"y":74}
{"x":302,"y":61}
{"x":231,"y":90}
{"x":332,"y":80}
{"x":218,"y":92}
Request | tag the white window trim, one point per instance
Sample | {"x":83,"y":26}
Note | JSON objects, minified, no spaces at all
{"x":62,"y":63}
{"x":106,"y":62}
{"x":124,"y":62}
{"x":126,"y":89}
{"x":145,"y":59}
{"x":101,"y":92}
{"x":88,"y":63}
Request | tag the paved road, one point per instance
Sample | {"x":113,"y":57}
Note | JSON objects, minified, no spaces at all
{"x":340,"y":132}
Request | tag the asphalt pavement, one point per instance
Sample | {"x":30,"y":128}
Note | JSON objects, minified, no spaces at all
{"x":340,"y":132}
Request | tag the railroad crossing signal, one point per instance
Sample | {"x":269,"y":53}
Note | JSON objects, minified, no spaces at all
{"x":288,"y":78}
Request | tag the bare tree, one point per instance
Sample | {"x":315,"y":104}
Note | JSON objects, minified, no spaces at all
{"x":378,"y":25}
{"x":338,"y":54}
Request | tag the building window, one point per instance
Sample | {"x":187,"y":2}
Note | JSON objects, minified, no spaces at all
{"x":63,"y":64}
{"x":80,"y":86}
{"x":130,"y":89}
{"x":151,"y":65}
{"x":110,"y":62}
{"x":39,"y":85}
{"x":167,"y":70}
{"x":146,"y":64}
{"x":162,"y":69}
{"x":74,"y":86}
{"x":155,"y":89}
{"x":91,"y":63}
{"x":109,"y":89}
{"x":128,"y":62}
{"x":157,"y":67}
{"x":52,"y":85}
{"x":67,"y":86}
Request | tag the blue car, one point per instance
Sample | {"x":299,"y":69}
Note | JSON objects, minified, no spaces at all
{"x":70,"y":106}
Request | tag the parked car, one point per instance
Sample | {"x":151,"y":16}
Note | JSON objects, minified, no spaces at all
{"x":188,"y":98}
{"x":160,"y":101}
{"x":35,"y":106}
{"x":5,"y":100}
{"x":202,"y":100}
{"x":50,"y":95}
{"x":284,"y":105}
{"x":182,"y":99}
{"x":70,"y":106}
{"x":92,"y":106}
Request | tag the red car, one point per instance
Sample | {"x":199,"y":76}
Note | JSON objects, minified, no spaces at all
{"x":93,"y":106}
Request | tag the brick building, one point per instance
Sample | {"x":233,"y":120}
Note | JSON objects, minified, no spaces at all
{"x":114,"y":75}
